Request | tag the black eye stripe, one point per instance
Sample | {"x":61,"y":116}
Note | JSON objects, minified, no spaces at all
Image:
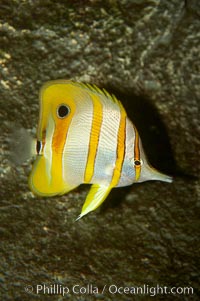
{"x":38,"y":146}
{"x":63,"y":111}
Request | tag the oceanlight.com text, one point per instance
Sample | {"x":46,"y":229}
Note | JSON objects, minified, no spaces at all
{"x":112,"y":289}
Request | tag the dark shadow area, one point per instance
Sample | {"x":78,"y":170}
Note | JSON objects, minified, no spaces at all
{"x":115,"y":198}
{"x":153,"y":133}
{"x":151,"y":128}
{"x":155,"y":140}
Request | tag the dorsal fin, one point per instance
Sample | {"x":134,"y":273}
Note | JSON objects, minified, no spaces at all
{"x":95,"y":89}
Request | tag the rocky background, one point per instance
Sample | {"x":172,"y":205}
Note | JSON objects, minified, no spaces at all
{"x":147,"y":52}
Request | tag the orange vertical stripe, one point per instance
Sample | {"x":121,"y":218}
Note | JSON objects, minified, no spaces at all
{"x":137,"y":155}
{"x":94,"y":138}
{"x":58,"y":143}
{"x":121,"y":142}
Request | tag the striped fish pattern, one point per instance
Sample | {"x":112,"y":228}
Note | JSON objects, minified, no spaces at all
{"x":85,"y":136}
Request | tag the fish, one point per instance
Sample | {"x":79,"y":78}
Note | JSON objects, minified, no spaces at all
{"x":21,"y":145}
{"x":84,"y":136}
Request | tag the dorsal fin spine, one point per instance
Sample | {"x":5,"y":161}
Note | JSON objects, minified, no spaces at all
{"x":94,"y":88}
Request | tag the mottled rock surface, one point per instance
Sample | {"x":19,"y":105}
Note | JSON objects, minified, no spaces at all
{"x":148,"y":53}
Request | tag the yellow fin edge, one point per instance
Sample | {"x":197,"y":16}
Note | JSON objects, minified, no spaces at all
{"x":95,"y":198}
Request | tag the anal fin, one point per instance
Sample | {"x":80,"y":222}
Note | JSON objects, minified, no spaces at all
{"x":95,"y":198}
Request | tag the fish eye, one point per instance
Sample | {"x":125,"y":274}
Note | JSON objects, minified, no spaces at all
{"x":63,"y":111}
{"x":38,"y":147}
{"x":137,"y":162}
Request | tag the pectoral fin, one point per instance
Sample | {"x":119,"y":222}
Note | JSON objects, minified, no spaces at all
{"x":95,"y":198}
